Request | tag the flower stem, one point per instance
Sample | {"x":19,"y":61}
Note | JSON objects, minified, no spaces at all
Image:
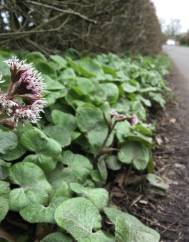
{"x":100,"y":152}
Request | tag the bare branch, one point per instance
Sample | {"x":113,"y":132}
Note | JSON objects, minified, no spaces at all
{"x":66,"y":11}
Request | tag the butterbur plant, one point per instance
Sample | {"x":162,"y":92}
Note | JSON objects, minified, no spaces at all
{"x":23,"y":99}
{"x":53,"y":177}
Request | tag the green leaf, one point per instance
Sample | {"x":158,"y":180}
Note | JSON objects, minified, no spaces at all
{"x":90,"y":119}
{"x":84,"y":86}
{"x":57,"y":237}
{"x":4,"y":207}
{"x":14,"y":154}
{"x":129,"y":228}
{"x":4,"y":166}
{"x":35,"y":140}
{"x":111,"y":91}
{"x":144,"y":129}
{"x":51,"y":84}
{"x":128,"y":88}
{"x":135,"y":153}
{"x":46,"y":68}
{"x":87,"y":117}
{"x":52,"y":148}
{"x":122,"y":130}
{"x":87,"y":67}
{"x":113,"y":163}
{"x":4,"y":204}
{"x":33,"y":186}
{"x":61,"y":134}
{"x":109,"y":70}
{"x":97,"y":136}
{"x":4,"y":188}
{"x":37,"y":213}
{"x":98,"y":196}
{"x":35,"y":57}
{"x":66,"y":75}
{"x":60,"y":189}
{"x":158,"y":98}
{"x":138,"y":108}
{"x":77,"y":169}
{"x":51,"y":97}
{"x":8,"y":141}
{"x":136,"y":136}
{"x":79,"y":217}
{"x":64,"y":119}
{"x":157,"y":181}
{"x":99,"y":236}
{"x":102,"y":169}
{"x":47,"y":163}
{"x":59,"y":61}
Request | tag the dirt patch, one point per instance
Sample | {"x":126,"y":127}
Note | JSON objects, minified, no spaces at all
{"x":170,"y":214}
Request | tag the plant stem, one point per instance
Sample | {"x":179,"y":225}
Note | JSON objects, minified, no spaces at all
{"x":100,"y":152}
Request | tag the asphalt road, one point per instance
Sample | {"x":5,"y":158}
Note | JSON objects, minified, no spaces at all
{"x":180,"y":58}
{"x":177,"y":211}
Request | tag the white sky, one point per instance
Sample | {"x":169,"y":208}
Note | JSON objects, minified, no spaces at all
{"x":173,"y":9}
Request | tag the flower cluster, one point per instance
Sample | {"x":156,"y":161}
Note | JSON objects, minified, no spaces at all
{"x":133,"y":120}
{"x":26,"y":83}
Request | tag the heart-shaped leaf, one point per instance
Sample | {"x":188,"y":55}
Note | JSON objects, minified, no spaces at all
{"x":98,"y":196}
{"x":77,"y":169}
{"x":8,"y":141}
{"x":79,"y":217}
{"x":34,"y":188}
{"x":129,"y":228}
{"x":135,"y":153}
{"x":35,"y":140}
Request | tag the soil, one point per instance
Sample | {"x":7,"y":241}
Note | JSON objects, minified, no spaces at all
{"x":168,"y":214}
{"x":172,"y":159}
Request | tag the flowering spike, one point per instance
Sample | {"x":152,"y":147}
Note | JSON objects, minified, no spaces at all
{"x":30,"y":112}
{"x":133,"y":120}
{"x":25,"y":76}
{"x":6,"y":104}
{"x":26,"y":83}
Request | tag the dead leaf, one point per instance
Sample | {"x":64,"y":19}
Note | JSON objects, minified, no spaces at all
{"x":173,"y":120}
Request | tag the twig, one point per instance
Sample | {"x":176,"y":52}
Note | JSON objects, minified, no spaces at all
{"x":67,"y":11}
{"x":49,"y":21}
{"x":35,"y":45}
{"x":29,"y":32}
{"x":35,"y":31}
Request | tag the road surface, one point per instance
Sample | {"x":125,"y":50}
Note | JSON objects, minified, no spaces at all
{"x":180,"y":58}
{"x":176,"y":129}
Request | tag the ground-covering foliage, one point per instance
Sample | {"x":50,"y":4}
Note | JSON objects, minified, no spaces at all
{"x":53,"y":174}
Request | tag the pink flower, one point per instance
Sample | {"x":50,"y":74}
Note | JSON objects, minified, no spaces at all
{"x":117,"y":116}
{"x":25,"y":77}
{"x":29,"y":112}
{"x":133,"y":120}
{"x":26,"y":83}
{"x":7,"y":105}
